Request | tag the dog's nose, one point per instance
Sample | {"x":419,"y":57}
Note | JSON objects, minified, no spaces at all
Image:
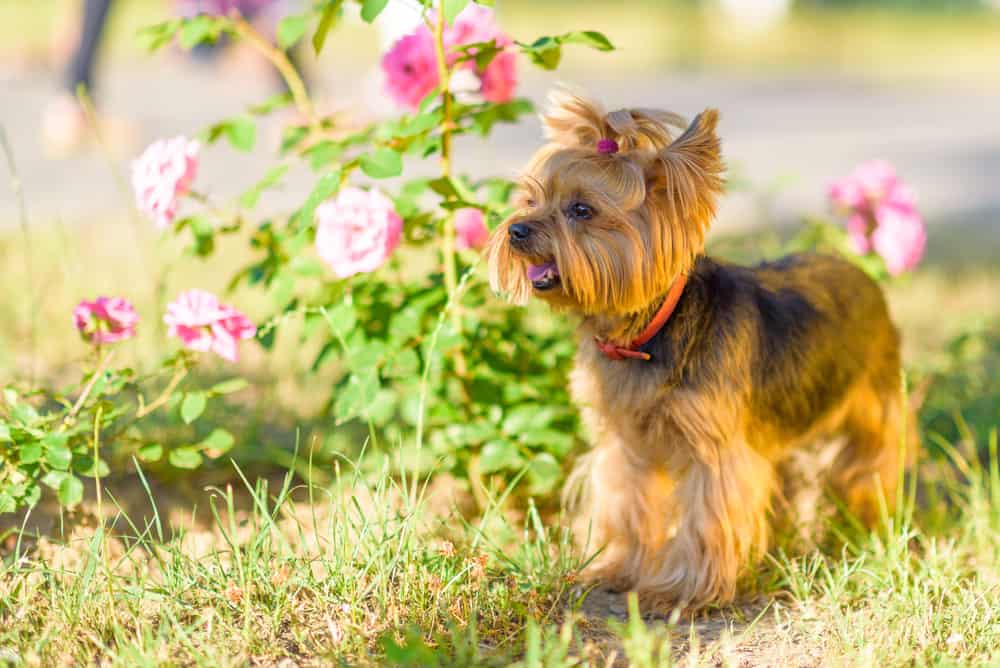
{"x":519,"y":232}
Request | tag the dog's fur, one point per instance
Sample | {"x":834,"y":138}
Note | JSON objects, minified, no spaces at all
{"x":754,"y":367}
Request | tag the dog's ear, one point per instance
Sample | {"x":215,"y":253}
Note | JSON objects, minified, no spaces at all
{"x":572,"y":119}
{"x":686,"y":176}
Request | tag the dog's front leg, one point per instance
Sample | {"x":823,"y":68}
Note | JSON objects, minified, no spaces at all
{"x":720,"y":502}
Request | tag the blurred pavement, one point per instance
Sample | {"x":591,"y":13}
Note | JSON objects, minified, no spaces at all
{"x":794,"y":132}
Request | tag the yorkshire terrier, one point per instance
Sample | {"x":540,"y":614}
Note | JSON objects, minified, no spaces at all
{"x":699,"y":381}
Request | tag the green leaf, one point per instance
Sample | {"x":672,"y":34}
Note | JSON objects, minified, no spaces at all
{"x":198,"y":29}
{"x":323,"y":153}
{"x":31,"y":452}
{"x":370,"y":9}
{"x":31,"y":496}
{"x":382,"y":407}
{"x":7,"y":503}
{"x":219,"y":441}
{"x":405,"y":364}
{"x":367,"y":355}
{"x":248,"y":200}
{"x":185,"y":458}
{"x":273,"y":103}
{"x":291,"y":137}
{"x":153,"y":37}
{"x":151,"y":452}
{"x":228,"y":386}
{"x":341,"y":319}
{"x":590,"y":38}
{"x":204,"y":235}
{"x":453,"y":8}
{"x":58,"y":457}
{"x":485,"y":56}
{"x":325,"y":23}
{"x":508,"y":112}
{"x":405,"y":325}
{"x":527,"y":416}
{"x":53,"y":479}
{"x":445,"y":187}
{"x":282,"y":287}
{"x":382,"y":163}
{"x":192,"y":406}
{"x":291,"y":29}
{"x":499,"y":455}
{"x":88,"y":468}
{"x":356,"y":395}
{"x":325,"y":187}
{"x":241,"y":133}
{"x":550,"y":440}
{"x":544,"y":474}
{"x":544,"y":52}
{"x":421,"y":123}
{"x":4,"y":434}
{"x":70,"y":491}
{"x":301,"y":265}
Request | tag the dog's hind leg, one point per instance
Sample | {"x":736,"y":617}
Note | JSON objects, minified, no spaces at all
{"x":879,"y":437}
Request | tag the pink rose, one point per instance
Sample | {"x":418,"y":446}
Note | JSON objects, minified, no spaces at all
{"x":204,"y":324}
{"x":105,"y":320}
{"x":410,"y":65}
{"x":410,"y":68}
{"x":478,"y":24}
{"x":869,"y":183}
{"x":857,"y":232}
{"x":500,"y":78}
{"x":161,"y":175}
{"x":470,"y":228}
{"x":357,"y":232}
{"x":882,"y":215}
{"x":899,"y":238}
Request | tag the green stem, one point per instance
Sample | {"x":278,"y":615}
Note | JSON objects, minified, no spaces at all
{"x":448,"y":236}
{"x":278,"y":58}
{"x":146,"y":409}
{"x":102,"y":365}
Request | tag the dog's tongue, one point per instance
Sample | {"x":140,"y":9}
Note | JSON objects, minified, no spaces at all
{"x":537,"y":272}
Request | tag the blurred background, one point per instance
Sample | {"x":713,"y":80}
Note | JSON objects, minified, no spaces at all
{"x":807,"y":89}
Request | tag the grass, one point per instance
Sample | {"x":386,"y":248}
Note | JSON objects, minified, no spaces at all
{"x":369,"y":572}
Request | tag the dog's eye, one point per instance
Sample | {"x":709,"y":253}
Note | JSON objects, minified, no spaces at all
{"x":580,"y":211}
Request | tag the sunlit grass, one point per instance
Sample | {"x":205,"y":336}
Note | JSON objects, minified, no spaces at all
{"x":374,"y":570}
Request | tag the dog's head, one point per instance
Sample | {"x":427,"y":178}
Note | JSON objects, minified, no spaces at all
{"x":611,"y":210}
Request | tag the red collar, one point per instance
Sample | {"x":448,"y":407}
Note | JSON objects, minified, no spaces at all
{"x":613,"y":352}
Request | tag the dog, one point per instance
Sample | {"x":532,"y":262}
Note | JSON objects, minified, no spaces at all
{"x":697,"y":380}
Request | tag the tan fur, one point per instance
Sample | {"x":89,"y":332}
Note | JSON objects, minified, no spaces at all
{"x":688,"y":469}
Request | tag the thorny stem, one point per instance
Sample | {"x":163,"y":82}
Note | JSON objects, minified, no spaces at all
{"x":285,"y":68}
{"x":164,"y":397}
{"x":102,"y":365}
{"x":448,"y":125}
